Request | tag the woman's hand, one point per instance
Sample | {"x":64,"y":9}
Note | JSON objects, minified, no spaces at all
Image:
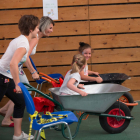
{"x":18,"y":89}
{"x":35,"y":76}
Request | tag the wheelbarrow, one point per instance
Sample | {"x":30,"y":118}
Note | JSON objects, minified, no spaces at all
{"x":114,"y":116}
{"x":117,"y":78}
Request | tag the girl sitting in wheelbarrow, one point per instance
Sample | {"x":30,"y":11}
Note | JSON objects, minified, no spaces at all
{"x":85,"y":49}
{"x":71,"y":84}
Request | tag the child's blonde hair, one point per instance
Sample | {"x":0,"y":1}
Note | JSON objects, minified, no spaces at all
{"x":83,"y":46}
{"x":78,"y":62}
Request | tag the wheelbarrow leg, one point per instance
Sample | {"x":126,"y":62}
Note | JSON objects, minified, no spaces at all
{"x":77,"y":128}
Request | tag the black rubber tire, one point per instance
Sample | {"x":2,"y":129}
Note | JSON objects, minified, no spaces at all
{"x":105,"y":125}
{"x":130,"y":99}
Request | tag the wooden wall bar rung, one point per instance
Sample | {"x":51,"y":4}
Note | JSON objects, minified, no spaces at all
{"x":54,"y":58}
{"x":61,"y":43}
{"x":116,"y":55}
{"x":114,"y":26}
{"x":130,"y":69}
{"x":3,"y":45}
{"x":73,"y":13}
{"x":72,"y":2}
{"x":116,"y":40}
{"x":5,"y":4}
{"x":72,"y":43}
{"x":114,"y":11}
{"x":61,"y":29}
{"x":80,"y":13}
{"x":135,"y":95}
{"x":9,"y":31}
{"x":132,"y":83}
{"x":111,"y":1}
{"x":100,"y":56}
{"x":51,"y":44}
{"x":71,"y":28}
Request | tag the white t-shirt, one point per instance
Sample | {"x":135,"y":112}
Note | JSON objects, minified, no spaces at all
{"x":64,"y":88}
{"x":20,"y":66}
{"x":16,"y":43}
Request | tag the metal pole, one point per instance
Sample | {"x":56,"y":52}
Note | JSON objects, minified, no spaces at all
{"x":48,"y":125}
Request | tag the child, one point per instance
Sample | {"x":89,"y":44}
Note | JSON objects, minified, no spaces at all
{"x":71,"y":84}
{"x":85,"y":49}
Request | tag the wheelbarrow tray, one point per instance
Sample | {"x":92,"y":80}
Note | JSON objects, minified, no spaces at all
{"x":117,"y":78}
{"x":100,"y":98}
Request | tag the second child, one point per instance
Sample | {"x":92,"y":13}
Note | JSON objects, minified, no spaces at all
{"x":85,"y":49}
{"x":71,"y":81}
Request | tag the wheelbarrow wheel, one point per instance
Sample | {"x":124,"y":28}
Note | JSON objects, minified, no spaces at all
{"x":115,"y":125}
{"x":127,"y":98}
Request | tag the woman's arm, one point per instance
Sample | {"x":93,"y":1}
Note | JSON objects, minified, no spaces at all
{"x":19,"y":53}
{"x":35,"y":75}
{"x":32,"y":44}
{"x":71,"y":86}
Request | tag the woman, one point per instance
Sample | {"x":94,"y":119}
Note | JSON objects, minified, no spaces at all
{"x":45,"y":28}
{"x":16,"y":54}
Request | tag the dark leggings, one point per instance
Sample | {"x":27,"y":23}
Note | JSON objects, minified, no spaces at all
{"x":7,"y":88}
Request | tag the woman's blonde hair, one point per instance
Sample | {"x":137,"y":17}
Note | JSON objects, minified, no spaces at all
{"x":45,"y":22}
{"x":78,"y":62}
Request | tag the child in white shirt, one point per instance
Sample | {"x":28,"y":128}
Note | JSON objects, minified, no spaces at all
{"x":71,"y":84}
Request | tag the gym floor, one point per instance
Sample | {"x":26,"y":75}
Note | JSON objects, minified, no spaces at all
{"x":90,"y":129}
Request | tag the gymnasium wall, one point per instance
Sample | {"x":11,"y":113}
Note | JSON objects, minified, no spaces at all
{"x":111,"y":27}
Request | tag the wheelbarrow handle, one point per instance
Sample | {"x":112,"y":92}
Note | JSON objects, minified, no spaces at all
{"x":131,"y":104}
{"x":48,"y":77}
{"x":45,"y":79}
